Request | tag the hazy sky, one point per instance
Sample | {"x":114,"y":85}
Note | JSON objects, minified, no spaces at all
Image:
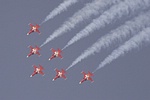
{"x":126,"y":78}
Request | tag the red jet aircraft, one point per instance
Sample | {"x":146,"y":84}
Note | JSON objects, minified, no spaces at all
{"x":86,"y":77}
{"x":34,"y":29}
{"x":60,"y":74}
{"x":56,"y":53}
{"x":37,"y":70}
{"x":34,"y":51}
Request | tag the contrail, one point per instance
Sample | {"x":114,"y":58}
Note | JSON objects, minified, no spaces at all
{"x":114,"y":13}
{"x":134,"y":42}
{"x":94,"y":8}
{"x":131,"y":27}
{"x":62,"y":7}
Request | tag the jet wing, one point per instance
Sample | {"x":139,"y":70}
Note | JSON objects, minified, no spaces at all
{"x":83,"y":73}
{"x":57,"y":70}
{"x":30,"y":47}
{"x":34,"y":67}
{"x":90,"y":79}
{"x":63,"y":76}
{"x":30,"y":25}
{"x":53,"y":50}
{"x":38,"y":53}
{"x":60,"y":56}
{"x":41,"y":73}
{"x":37,"y":31}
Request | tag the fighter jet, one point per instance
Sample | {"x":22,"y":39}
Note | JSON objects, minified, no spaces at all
{"x":56,"y":53}
{"x":33,"y":29}
{"x":34,"y":51}
{"x":37,"y":70}
{"x":86,"y":77}
{"x":60,"y":74}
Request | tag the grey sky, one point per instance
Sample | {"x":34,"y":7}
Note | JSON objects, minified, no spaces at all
{"x":126,"y":78}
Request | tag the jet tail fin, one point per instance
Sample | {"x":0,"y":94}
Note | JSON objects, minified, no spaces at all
{"x":59,"y":50}
{"x":41,"y":67}
{"x":63,"y":71}
{"x":91,"y":74}
{"x":37,"y":26}
{"x":37,"y":47}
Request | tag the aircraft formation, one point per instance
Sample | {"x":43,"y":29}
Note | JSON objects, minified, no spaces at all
{"x":55,"y":54}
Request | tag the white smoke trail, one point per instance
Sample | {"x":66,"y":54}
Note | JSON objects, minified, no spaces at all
{"x":62,"y":7}
{"x":94,"y":8}
{"x":134,"y":42}
{"x":129,"y":28}
{"x":114,"y":13}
